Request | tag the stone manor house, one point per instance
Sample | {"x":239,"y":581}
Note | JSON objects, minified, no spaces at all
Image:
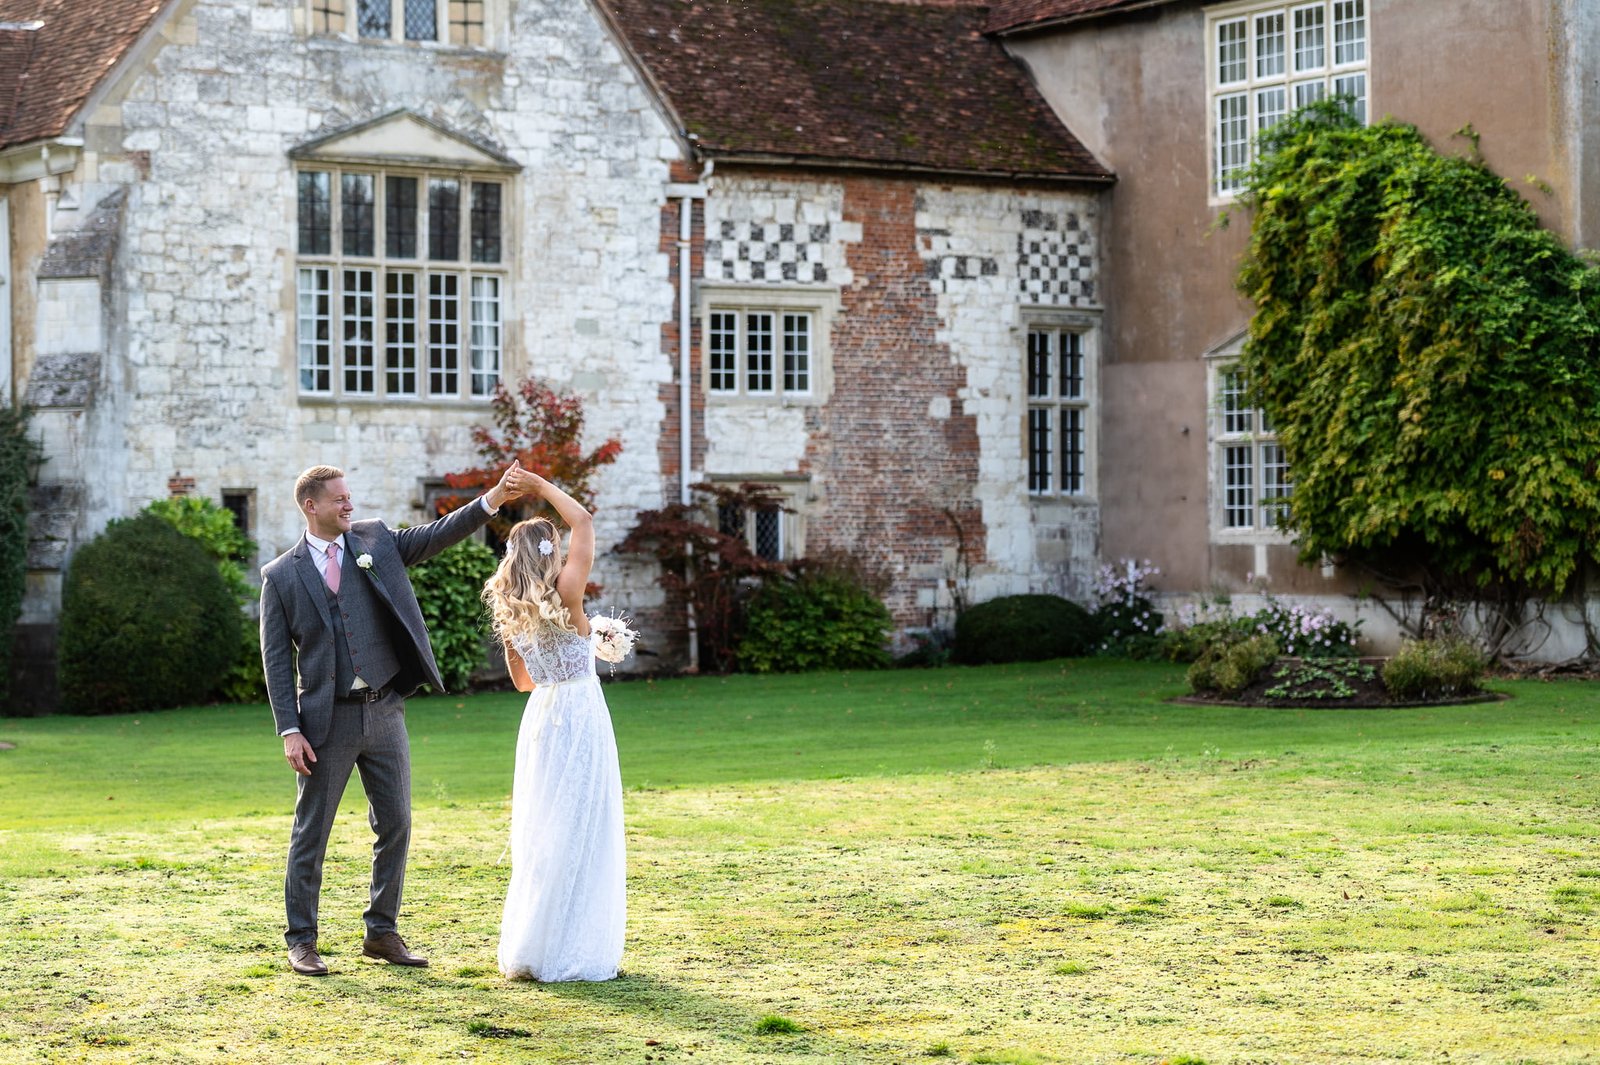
{"x":943,"y":273}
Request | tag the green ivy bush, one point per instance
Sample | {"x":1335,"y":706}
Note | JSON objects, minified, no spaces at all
{"x":817,"y":616}
{"x":1434,"y":669}
{"x":449,"y":586}
{"x":146,"y":621}
{"x":17,"y":455}
{"x":1229,"y":666}
{"x":1024,"y":628}
{"x":213,"y":527}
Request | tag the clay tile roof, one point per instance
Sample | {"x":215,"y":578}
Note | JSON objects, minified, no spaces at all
{"x":850,"y":82}
{"x":48,"y":71}
{"x":1009,"y":15}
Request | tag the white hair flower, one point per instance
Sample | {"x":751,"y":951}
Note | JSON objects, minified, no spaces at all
{"x":546,"y":547}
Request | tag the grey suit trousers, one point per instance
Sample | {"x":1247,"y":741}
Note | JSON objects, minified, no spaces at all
{"x":371,"y":739}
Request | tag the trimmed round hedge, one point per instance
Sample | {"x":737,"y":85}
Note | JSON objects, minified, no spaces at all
{"x":1024,"y":628}
{"x":814,"y":620}
{"x":146,"y":621}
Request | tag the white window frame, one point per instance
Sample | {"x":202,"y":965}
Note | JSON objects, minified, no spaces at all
{"x":793,"y":493}
{"x":1052,"y":405}
{"x":320,"y":25}
{"x":817,"y":304}
{"x":1276,"y":82}
{"x":1238,"y":432}
{"x":398,"y":350}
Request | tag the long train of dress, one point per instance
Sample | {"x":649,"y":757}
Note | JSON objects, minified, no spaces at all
{"x":566,"y":907}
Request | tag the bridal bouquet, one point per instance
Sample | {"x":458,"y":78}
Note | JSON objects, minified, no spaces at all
{"x":611,"y":638}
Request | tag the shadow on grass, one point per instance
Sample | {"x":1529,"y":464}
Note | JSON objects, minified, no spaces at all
{"x":648,"y":999}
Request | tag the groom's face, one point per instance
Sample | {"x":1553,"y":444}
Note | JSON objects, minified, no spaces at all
{"x":328,"y":514}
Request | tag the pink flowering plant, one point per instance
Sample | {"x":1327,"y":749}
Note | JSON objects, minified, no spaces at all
{"x":1128,"y":621}
{"x":1299,"y":632}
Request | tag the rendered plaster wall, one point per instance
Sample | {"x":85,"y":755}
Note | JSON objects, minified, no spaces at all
{"x":201,"y":135}
{"x":1132,"y":87}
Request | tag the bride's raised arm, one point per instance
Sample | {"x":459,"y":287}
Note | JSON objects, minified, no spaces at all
{"x":574,"y":575}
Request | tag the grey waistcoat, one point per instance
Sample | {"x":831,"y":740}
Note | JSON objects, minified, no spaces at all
{"x":366,"y":650}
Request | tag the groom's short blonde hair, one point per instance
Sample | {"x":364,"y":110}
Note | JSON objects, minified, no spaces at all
{"x":310,"y":484}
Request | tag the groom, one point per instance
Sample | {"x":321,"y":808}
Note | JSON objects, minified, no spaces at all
{"x":343,"y":643}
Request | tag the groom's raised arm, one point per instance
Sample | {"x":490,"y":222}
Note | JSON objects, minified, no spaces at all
{"x":421,"y":542}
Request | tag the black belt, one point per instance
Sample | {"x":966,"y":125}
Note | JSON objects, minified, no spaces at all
{"x":364,"y":695}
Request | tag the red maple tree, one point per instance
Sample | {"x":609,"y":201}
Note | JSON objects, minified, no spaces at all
{"x":542,"y":429}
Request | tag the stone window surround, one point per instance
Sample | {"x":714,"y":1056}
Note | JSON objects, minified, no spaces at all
{"x":422,"y":266}
{"x":1218,"y":441}
{"x":1330,"y":75}
{"x":794,"y":491}
{"x":821,"y":302}
{"x":1087,"y":325}
{"x":447,"y":34}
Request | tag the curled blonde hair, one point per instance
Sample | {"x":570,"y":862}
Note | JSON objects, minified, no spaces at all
{"x":522,"y":594}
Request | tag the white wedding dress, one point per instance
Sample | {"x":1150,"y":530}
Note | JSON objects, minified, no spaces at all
{"x":566,"y":907}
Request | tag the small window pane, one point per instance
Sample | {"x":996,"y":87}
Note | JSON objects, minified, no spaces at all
{"x":1277,"y":487}
{"x":422,"y":20}
{"x":1233,"y":140}
{"x":1236,"y":416}
{"x":1232,"y":58}
{"x":466,"y":22}
{"x":400,"y":217}
{"x":769,"y":535}
{"x":730,"y":520}
{"x":1039,"y":449}
{"x":400,"y":347}
{"x":1355,"y":87}
{"x":1039,"y":365}
{"x":316,"y":212}
{"x":1072,"y":448}
{"x":1271,"y":107}
{"x":372,"y":18}
{"x":360,"y":331}
{"x":758,"y":352}
{"x":486,"y":221}
{"x":327,"y":16}
{"x":313,"y":329}
{"x":1309,"y":92}
{"x":1071,"y":365}
{"x":1310,"y":42}
{"x":485,"y":335}
{"x":723,"y":352}
{"x":1239,"y":487}
{"x":1349,"y":31}
{"x":444,"y":334}
{"x":444,"y":219}
{"x":357,"y":214}
{"x":1269,"y":45}
{"x":797,"y":353}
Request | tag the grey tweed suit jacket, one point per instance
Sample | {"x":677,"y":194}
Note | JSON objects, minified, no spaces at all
{"x":297,"y":628}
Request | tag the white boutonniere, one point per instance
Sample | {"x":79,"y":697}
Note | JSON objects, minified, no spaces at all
{"x":364,"y":561}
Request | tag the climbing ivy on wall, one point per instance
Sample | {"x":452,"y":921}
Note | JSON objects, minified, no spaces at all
{"x":1429,"y":357}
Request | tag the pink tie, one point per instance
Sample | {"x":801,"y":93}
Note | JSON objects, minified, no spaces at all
{"x":333,"y":568}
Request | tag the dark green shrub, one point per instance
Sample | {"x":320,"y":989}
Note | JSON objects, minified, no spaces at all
{"x":1434,"y":669}
{"x":930,"y":649}
{"x":1024,"y":628}
{"x":213,"y":528}
{"x":146,"y":621}
{"x":448,"y":587}
{"x":817,"y":617}
{"x":1229,"y":666}
{"x":17,"y":455}
{"x":1188,"y":642}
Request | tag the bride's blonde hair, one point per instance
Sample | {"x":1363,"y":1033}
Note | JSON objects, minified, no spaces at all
{"x":522,"y":594}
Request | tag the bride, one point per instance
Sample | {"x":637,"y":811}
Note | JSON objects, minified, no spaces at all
{"x":566,"y":908}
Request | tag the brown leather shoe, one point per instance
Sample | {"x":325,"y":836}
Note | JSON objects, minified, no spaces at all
{"x":304,"y":959}
{"x":391,"y":948}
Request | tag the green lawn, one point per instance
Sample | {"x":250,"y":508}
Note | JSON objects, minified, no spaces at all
{"x":1043,"y":863}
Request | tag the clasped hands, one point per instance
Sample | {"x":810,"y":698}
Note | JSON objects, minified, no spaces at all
{"x":515,"y":483}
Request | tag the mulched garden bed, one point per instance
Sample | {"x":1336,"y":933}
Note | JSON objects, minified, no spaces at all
{"x":1353,"y":682}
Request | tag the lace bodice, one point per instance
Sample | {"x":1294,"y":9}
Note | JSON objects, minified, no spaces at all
{"x":553,"y":654}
